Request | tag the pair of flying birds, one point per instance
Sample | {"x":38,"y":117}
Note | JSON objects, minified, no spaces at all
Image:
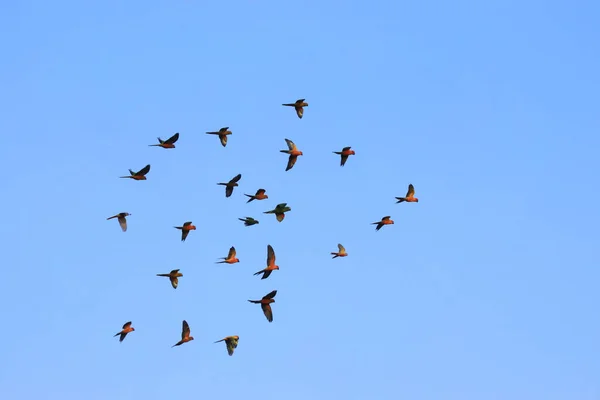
{"x":230,"y":341}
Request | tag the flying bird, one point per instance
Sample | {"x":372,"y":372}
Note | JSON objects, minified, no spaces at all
{"x":185,"y":229}
{"x":185,"y":334}
{"x":122,"y":220}
{"x":231,"y":342}
{"x":341,"y":252}
{"x":293,"y":152}
{"x":167,"y":144}
{"x":344,"y":154}
{"x":223,"y":132}
{"x":140,"y":175}
{"x":270,"y":263}
{"x":126,"y":329}
{"x":384,"y":221}
{"x":265,"y":304}
{"x":230,"y":259}
{"x":279,"y":211}
{"x":231,"y":184}
{"x":249,"y":221}
{"x":260,"y":195}
{"x":173,"y":275}
{"x":298,"y":105}
{"x":410,"y":196}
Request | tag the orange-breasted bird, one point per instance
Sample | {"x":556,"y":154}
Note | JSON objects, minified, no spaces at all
{"x":122,"y":220}
{"x":231,"y":184}
{"x":344,"y":154}
{"x":341,"y":252}
{"x":185,"y":334}
{"x":384,"y":221}
{"x":185,"y":229}
{"x":167,"y":144}
{"x":260,"y":195}
{"x":265,"y":304}
{"x":223,"y":132}
{"x":279,"y":211}
{"x":126,"y":329}
{"x":410,"y":196}
{"x":230,"y":259}
{"x":173,"y":275}
{"x":231,"y":342}
{"x":270,"y":263}
{"x":140,"y":175}
{"x":293,"y":152}
{"x":298,"y":105}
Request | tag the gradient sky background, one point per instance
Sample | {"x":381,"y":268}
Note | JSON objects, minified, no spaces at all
{"x":486,"y":289}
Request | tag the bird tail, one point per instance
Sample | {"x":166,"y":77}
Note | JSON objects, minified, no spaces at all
{"x":224,"y":184}
{"x":337,"y":152}
{"x":259,"y":272}
{"x":335,"y":255}
{"x":219,"y":340}
{"x":289,"y":104}
{"x":117,"y":334}
{"x":254,"y":301}
{"x":163,"y":275}
{"x":125,"y":177}
{"x":251,"y":197}
{"x":400,"y":199}
{"x":178,"y":227}
{"x":114,"y":216}
{"x":220,"y":262}
{"x":284,"y":151}
{"x":212,"y":133}
{"x":154,"y":145}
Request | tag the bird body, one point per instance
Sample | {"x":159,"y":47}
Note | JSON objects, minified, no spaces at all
{"x":231,"y":342}
{"x":260,"y":195}
{"x":265,"y":304}
{"x":223,"y":132}
{"x":410,"y":196}
{"x":126,"y":329}
{"x":138,"y":176}
{"x":384,"y":221}
{"x":173,"y":275}
{"x":270,"y":263}
{"x":185,"y":334}
{"x":185,"y":229}
{"x":293,"y":152}
{"x":298,"y":106}
{"x":345,"y":153}
{"x":249,"y":221}
{"x":167,"y":144}
{"x":279,"y":211}
{"x":231,"y":257}
{"x":231,"y":184}
{"x":341,"y":252}
{"x":122,"y":220}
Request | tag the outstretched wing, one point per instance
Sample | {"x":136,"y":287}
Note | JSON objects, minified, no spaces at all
{"x":224,"y":129}
{"x":232,"y":343}
{"x":223,"y":140}
{"x":260,"y":192}
{"x":267,"y":311}
{"x":386,"y":218}
{"x":236,"y":178}
{"x":188,"y":223}
{"x":185,"y":330}
{"x":346,"y":148}
{"x":270,"y":295}
{"x":123,"y":223}
{"x":341,"y":248}
{"x":270,"y":255}
{"x":299,"y":111}
{"x":172,"y":139}
{"x":411,"y":190}
{"x":344,"y":159}
{"x":144,"y":170}
{"x":291,"y":162}
{"x":231,"y":253}
{"x":290,"y":144}
{"x":127,"y":325}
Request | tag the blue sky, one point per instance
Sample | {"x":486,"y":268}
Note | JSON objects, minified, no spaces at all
{"x":485,"y":289}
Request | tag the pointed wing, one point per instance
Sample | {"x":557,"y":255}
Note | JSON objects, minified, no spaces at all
{"x":386,"y":218}
{"x":236,"y":178}
{"x":270,"y":255}
{"x":344,"y":158}
{"x":223,"y":139}
{"x":279,"y":216}
{"x":123,"y":223}
{"x":127,"y":325}
{"x":185,"y":330}
{"x":267,"y":311}
{"x":280,"y":207}
{"x":228,"y":191}
{"x":174,"y":272}
{"x":260,"y":192}
{"x":231,"y":345}
{"x":188,"y":223}
{"x":122,"y":337}
{"x":300,"y":101}
{"x":231,"y":253}
{"x":224,"y":129}
{"x":411,"y":190}
{"x":174,"y":281}
{"x":346,"y":148}
{"x":299,"y":111}
{"x":184,"y":234}
{"x":291,"y":162}
{"x":266,"y":273}
{"x":341,"y":248}
{"x":270,"y":295}
{"x":172,"y":139}
{"x":144,"y":170}
{"x":290,"y":144}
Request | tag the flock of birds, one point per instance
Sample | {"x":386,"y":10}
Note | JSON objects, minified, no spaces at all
{"x":279,"y":211}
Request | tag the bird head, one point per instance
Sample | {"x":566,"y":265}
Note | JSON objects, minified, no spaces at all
{"x":417,"y":200}
{"x":352,"y":152}
{"x":300,"y":153}
{"x":191,"y":338}
{"x":277,"y":267}
{"x":132,"y":329}
{"x":193,"y":227}
{"x":266,"y":196}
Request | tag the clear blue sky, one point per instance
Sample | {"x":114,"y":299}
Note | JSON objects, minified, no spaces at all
{"x":486,"y":289}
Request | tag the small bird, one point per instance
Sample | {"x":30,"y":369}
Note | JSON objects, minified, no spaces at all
{"x":185,"y":229}
{"x":265,"y":304}
{"x":384,"y":221}
{"x":140,"y":175}
{"x":185,"y":334}
{"x":410,"y":196}
{"x":298,"y":106}
{"x":173,"y":275}
{"x":279,"y":211}
{"x":260,"y":195}
{"x":293,"y":152}
{"x":249,"y":221}
{"x":167,"y":144}
{"x":231,"y":342}
{"x":122,"y":220}
{"x":126,"y":329}
{"x":341,"y":252}
{"x":270,"y":263}
{"x":231,"y":184}
{"x":230,"y":259}
{"x":223,"y":132}
{"x":345,"y":153}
